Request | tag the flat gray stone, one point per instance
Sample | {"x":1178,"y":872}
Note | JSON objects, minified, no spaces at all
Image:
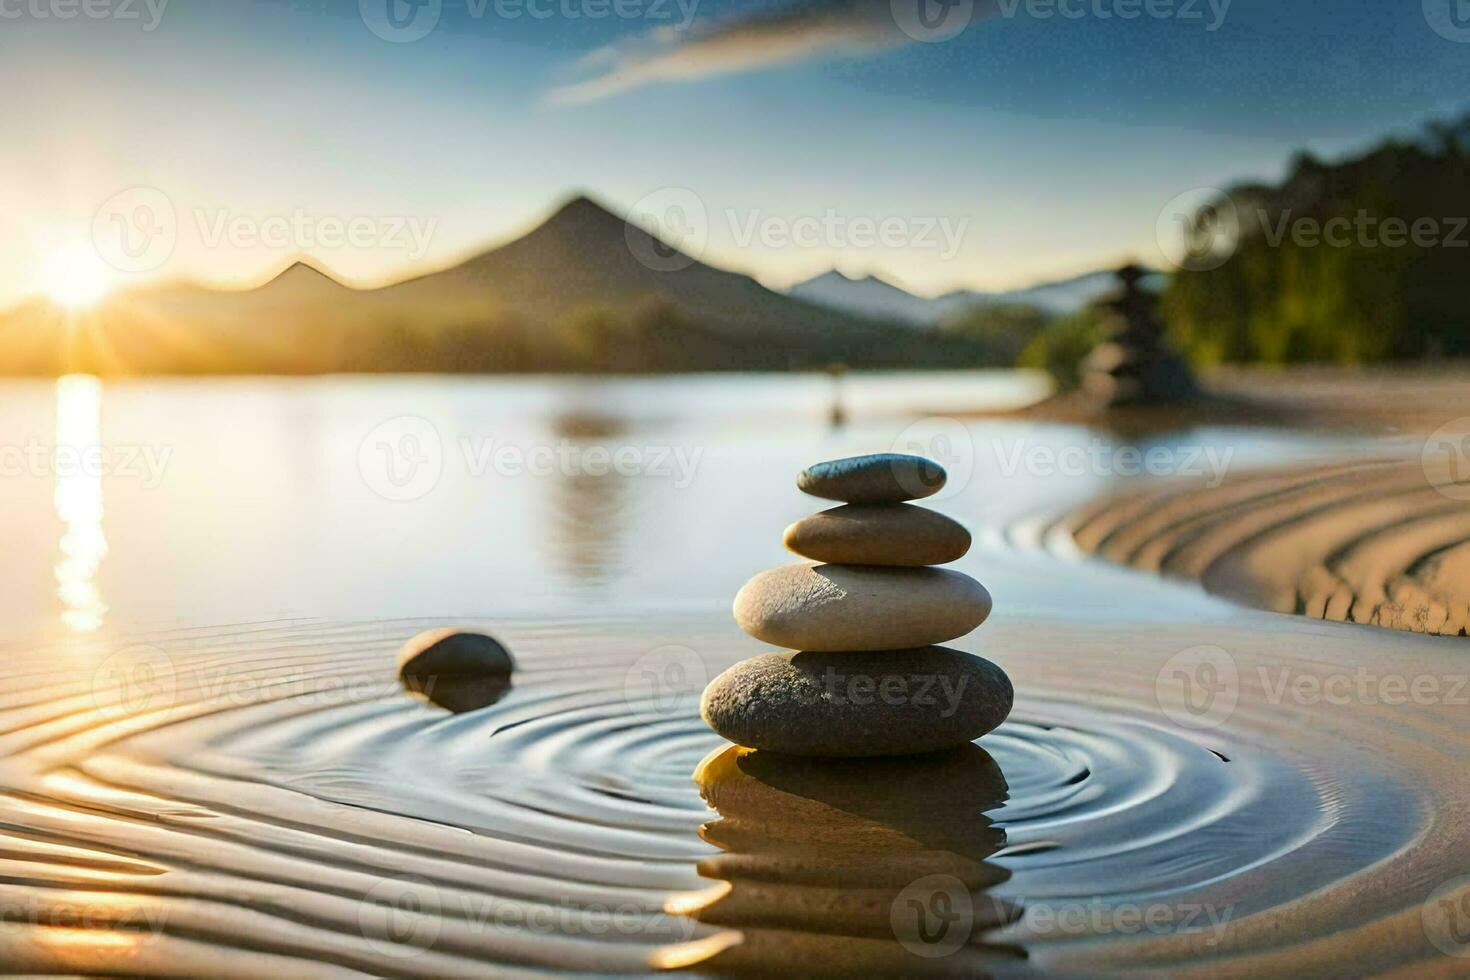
{"x":881,"y":478}
{"x":859,"y":607}
{"x":891,"y":702}
{"x":879,"y":534}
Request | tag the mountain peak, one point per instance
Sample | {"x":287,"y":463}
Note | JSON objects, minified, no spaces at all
{"x":580,"y":208}
{"x":300,"y":270}
{"x":301,"y":276}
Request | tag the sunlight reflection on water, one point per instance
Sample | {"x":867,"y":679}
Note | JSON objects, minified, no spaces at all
{"x":78,"y":499}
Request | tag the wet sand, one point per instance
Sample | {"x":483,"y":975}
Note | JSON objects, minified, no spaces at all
{"x":1379,"y":543}
{"x":263,"y":799}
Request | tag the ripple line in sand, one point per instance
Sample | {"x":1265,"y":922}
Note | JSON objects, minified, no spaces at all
{"x":1377,"y":543}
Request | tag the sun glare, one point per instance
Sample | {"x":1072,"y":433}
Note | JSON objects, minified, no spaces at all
{"x":75,"y":277}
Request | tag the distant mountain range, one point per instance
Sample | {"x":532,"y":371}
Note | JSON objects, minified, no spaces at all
{"x":874,"y":297}
{"x":584,"y":291}
{"x":574,"y":294}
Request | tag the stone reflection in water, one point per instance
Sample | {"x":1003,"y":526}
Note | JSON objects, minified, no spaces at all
{"x":589,"y":502}
{"x":852,"y":866}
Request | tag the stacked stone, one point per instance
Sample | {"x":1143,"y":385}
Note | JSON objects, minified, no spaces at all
{"x":1135,"y":365}
{"x":868,"y":679}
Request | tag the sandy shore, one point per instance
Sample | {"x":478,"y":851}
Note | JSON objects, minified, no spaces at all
{"x":1383,"y":543}
{"x":1383,"y":400}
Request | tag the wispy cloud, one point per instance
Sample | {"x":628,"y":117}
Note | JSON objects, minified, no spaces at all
{"x":800,"y":32}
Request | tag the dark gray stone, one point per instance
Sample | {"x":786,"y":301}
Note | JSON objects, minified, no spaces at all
{"x":457,"y":669}
{"x":881,"y":478}
{"x":888,"y":702}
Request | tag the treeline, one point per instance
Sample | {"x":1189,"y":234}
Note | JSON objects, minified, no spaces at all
{"x":1358,"y":261}
{"x":654,"y":336}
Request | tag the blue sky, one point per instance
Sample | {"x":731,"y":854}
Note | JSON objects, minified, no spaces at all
{"x":1049,"y":134}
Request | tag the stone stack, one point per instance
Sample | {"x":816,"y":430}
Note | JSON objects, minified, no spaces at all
{"x":868,"y":679}
{"x":1135,"y":365}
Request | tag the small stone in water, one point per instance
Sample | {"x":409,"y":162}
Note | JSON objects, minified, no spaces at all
{"x":457,"y":669}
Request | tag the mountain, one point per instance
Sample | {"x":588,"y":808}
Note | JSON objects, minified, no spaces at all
{"x":583,"y":291}
{"x":585,"y":257}
{"x":865,"y":296}
{"x":875,"y":297}
{"x":1059,"y":298}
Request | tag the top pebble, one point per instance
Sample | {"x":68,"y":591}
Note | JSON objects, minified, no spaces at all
{"x":881,"y":478}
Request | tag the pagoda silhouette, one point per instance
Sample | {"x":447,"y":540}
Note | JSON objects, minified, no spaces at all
{"x":1135,"y":365}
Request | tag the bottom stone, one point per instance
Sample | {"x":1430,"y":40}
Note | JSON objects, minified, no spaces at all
{"x":882,"y":702}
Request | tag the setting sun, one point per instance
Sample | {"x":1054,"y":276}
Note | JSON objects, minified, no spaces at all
{"x":75,"y":277}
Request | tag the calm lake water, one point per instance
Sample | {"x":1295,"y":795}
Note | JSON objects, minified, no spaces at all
{"x":207,"y":766}
{"x":209,"y":501}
